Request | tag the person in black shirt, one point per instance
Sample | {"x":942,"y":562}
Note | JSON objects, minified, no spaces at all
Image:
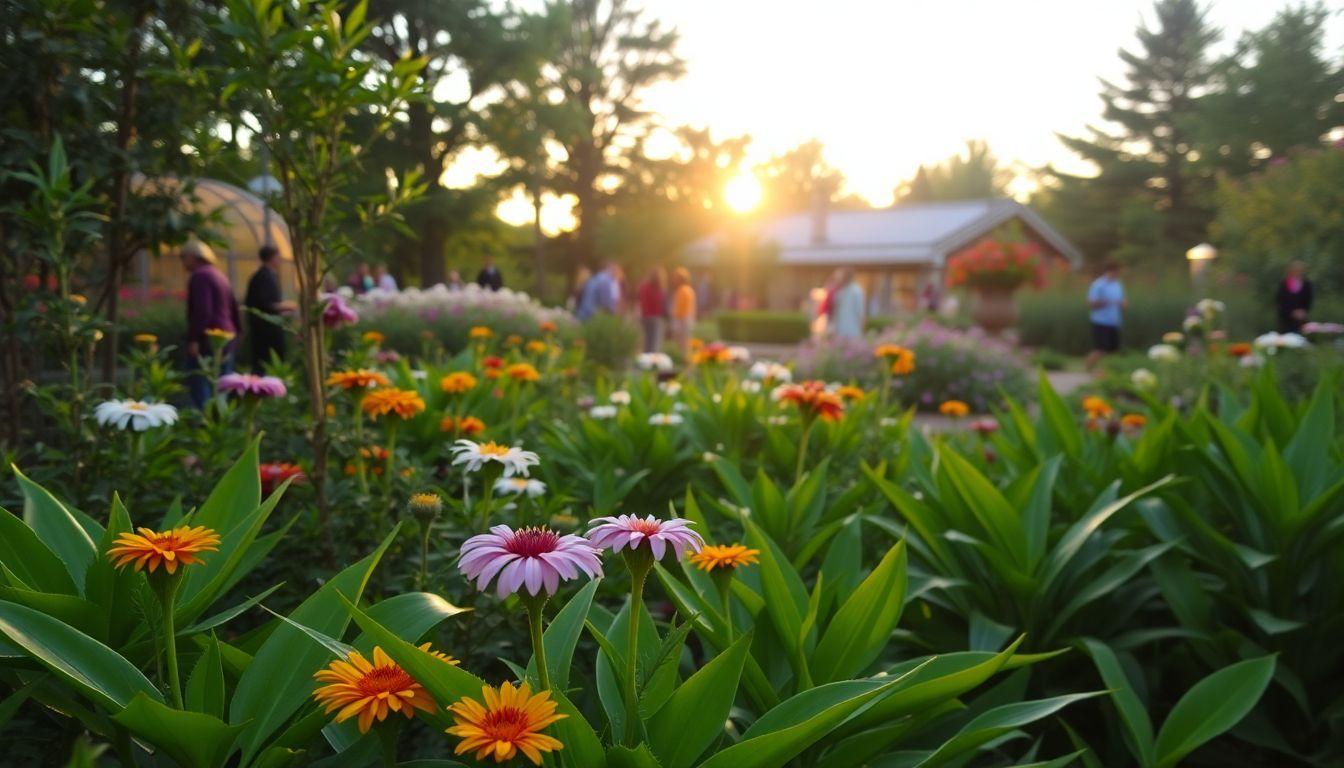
{"x":1293,"y":300}
{"x":264,"y":301}
{"x":489,"y":276}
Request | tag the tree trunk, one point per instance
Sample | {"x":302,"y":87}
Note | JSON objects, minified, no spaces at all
{"x":433,"y":236}
{"x":538,"y":239}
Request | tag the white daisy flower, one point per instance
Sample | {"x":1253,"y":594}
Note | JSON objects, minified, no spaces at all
{"x":653,"y":361}
{"x":1164,"y":353}
{"x":1273,"y":342}
{"x":665,"y":419}
{"x":670,"y":387}
{"x":1191,"y":322}
{"x":887,"y":421}
{"x":602,"y":411}
{"x":738,"y":354}
{"x":751,"y":386}
{"x":526,"y":486}
{"x":709,"y":457}
{"x":1143,"y":378}
{"x":620,"y":397}
{"x":136,"y":414}
{"x":777,"y":421}
{"x":419,"y":375}
{"x":474,"y":455}
{"x":766,"y":370}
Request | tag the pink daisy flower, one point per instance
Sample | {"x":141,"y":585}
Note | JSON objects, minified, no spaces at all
{"x":614,"y":533}
{"x":535,"y":558}
{"x":336,"y":313}
{"x":251,"y":385}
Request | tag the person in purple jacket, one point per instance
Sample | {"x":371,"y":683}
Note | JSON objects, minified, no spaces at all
{"x":211,"y":306}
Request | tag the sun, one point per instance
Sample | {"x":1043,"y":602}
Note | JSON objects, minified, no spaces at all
{"x":742,"y":193}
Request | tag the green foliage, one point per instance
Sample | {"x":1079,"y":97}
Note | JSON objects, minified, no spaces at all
{"x":763,"y":327}
{"x":975,"y":176}
{"x":610,"y":340}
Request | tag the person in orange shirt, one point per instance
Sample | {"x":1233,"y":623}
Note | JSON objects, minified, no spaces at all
{"x":683,"y":310}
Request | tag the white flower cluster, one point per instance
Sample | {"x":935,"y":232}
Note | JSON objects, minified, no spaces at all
{"x":1271,"y":343}
{"x":653,"y":361}
{"x":1164,"y":353}
{"x":468,"y":301}
{"x":766,"y":370}
{"x":1143,"y":378}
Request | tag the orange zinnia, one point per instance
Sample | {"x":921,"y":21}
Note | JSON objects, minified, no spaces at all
{"x":522,"y":372}
{"x":373,"y":337}
{"x":480,"y":332}
{"x":812,"y":400}
{"x":546,"y":327}
{"x":404,"y":403}
{"x":1132,"y":422}
{"x":465,"y":425}
{"x":510,"y":722}
{"x":954,"y":408}
{"x":727,"y":557}
{"x":166,"y":548}
{"x":1239,"y":349}
{"x":356,"y":687}
{"x":1096,"y":407}
{"x":362,"y":378}
{"x":457,"y":382}
{"x":849,"y":392}
{"x":902,"y":360}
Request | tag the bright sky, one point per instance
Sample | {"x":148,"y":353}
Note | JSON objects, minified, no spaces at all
{"x":888,"y":84}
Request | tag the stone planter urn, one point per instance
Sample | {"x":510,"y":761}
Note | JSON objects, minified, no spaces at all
{"x":994,"y":309}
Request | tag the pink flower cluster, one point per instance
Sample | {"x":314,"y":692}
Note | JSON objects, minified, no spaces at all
{"x":251,"y":385}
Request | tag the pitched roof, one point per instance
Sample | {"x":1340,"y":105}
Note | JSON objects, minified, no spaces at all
{"x":911,"y":234}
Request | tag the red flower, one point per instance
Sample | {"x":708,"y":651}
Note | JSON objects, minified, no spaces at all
{"x":276,"y":472}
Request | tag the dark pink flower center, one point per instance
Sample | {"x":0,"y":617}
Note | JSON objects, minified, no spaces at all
{"x":530,"y":542}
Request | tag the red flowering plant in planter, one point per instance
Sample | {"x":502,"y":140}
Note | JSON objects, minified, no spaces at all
{"x":994,"y":263}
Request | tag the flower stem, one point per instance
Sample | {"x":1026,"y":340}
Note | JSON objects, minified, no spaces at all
{"x":424,"y":553}
{"x":387,"y":735}
{"x":534,"y":605}
{"x":639,"y":572}
{"x":723,"y":579}
{"x":802,"y":450}
{"x":169,"y":602}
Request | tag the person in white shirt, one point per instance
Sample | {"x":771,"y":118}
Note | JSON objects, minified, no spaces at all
{"x":847,"y":309}
{"x":383,"y":280}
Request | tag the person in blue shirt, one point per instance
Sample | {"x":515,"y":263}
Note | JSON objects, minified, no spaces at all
{"x":602,"y":293}
{"x":1105,"y":302}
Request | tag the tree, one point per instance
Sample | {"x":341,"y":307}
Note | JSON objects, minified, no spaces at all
{"x":1152,"y":155}
{"x":607,"y":54}
{"x":798,"y":179}
{"x":295,"y":69}
{"x":1276,"y":91}
{"x":976,"y":175}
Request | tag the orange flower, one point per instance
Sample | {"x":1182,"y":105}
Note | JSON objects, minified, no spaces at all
{"x":522,"y":372}
{"x":1096,"y":407}
{"x":373,"y":337}
{"x":1133,"y":422}
{"x":480,"y":332}
{"x":902,"y":360}
{"x":546,"y":327}
{"x":404,"y":403}
{"x":220,"y":334}
{"x":1239,"y":349}
{"x":167,"y":548}
{"x":510,"y":722}
{"x":727,"y":557}
{"x":357,"y":688}
{"x":850,"y":392}
{"x":513,"y":340}
{"x":536,"y":346}
{"x":714,"y":352}
{"x":457,"y":382}
{"x":812,"y":400}
{"x":493,"y":362}
{"x":954,"y":408}
{"x":362,"y":378}
{"x":888,"y":350}
{"x":466,"y":425}
{"x":493,"y":373}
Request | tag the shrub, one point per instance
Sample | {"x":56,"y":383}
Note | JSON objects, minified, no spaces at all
{"x":764,"y":327}
{"x":404,"y":317}
{"x":610,"y":340}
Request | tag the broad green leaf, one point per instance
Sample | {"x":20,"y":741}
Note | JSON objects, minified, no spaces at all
{"x":786,"y":599}
{"x":58,"y":527}
{"x":191,"y":739}
{"x":562,"y":636}
{"x":205,"y":686}
{"x":95,"y":670}
{"x":996,"y":517}
{"x":1079,"y":532}
{"x":1127,"y":703}
{"x":695,"y":714}
{"x":998,"y":722}
{"x":22,"y":552}
{"x":582,"y":746}
{"x":625,"y":757}
{"x":235,"y":496}
{"x":1211,"y":707}
{"x":75,"y":611}
{"x":862,"y":627}
{"x":410,"y":615}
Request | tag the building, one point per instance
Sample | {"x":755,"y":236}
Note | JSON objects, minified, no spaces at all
{"x":895,"y":251}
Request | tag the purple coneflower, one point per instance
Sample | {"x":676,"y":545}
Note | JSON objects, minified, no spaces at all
{"x":251,"y":385}
{"x":615,"y":533}
{"x":535,"y":558}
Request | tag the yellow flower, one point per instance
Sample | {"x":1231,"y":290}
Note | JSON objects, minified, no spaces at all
{"x":727,"y":557}
{"x":510,"y":722}
{"x":219,"y":333}
{"x":373,"y":337}
{"x":513,"y":340}
{"x":536,"y":346}
{"x":425,"y":504}
{"x":954,"y":408}
{"x":902,"y":360}
{"x":356,"y":687}
{"x":522,"y":372}
{"x":404,"y":403}
{"x":480,"y":332}
{"x":1096,"y":407}
{"x":457,"y":382}
{"x":888,"y":350}
{"x":167,"y":548}
{"x":362,"y":378}
{"x":850,"y":392}
{"x":148,"y":339}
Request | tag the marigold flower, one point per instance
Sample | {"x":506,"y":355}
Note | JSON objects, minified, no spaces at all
{"x":616,"y":533}
{"x":546,"y":326}
{"x":513,"y":340}
{"x":1133,"y":422}
{"x":373,"y":337}
{"x":1096,"y":407}
{"x":276,"y":472}
{"x":535,"y":558}
{"x":370,"y":691}
{"x":510,"y":722}
{"x":522,"y":372}
{"x":888,"y":350}
{"x":148,"y":339}
{"x":362,"y":378}
{"x":178,"y":546}
{"x":474,"y":455}
{"x":457,"y":382}
{"x":404,"y":403}
{"x":849,"y":392}
{"x":812,"y":400}
{"x":1239,"y":349}
{"x":724,"y":556}
{"x":537,"y":347}
{"x":711,"y":353}
{"x":480,"y":332}
{"x":954,"y":408}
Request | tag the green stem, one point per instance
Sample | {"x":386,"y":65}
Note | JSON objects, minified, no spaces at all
{"x":534,"y":605}
{"x":387,"y":736}
{"x":391,"y":451}
{"x":726,"y":597}
{"x":639,"y":572}
{"x":424,"y":554}
{"x":169,"y":600}
{"x":802,"y":449}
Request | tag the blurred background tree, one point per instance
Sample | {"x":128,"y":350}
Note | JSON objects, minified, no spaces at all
{"x":975,"y":175}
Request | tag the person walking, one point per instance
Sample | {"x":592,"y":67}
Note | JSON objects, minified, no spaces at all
{"x":383,"y":280}
{"x":653,"y":308}
{"x":602,"y":293}
{"x":1292,"y":302}
{"x":847,"y":313}
{"x":1106,"y":302}
{"x":212,"y":318}
{"x":265,"y":304}
{"x":490,"y":276}
{"x":683,"y":311}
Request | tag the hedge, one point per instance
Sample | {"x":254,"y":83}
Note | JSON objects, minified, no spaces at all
{"x":764,"y":327}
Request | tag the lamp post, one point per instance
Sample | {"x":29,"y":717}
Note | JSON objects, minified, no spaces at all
{"x":1199,"y":258}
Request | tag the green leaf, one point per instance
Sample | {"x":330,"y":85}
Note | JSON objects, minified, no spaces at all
{"x":410,"y":615}
{"x":57,"y":526}
{"x":191,"y":739}
{"x":695,"y":714}
{"x":205,"y":686}
{"x":786,"y":599}
{"x":998,"y":722}
{"x":114,"y":590}
{"x":1211,"y":707}
{"x":625,"y":757}
{"x":582,"y":746}
{"x":562,"y":636}
{"x":22,"y":552}
{"x":1132,"y":712}
{"x":862,"y":627}
{"x":279,"y":679}
{"x":95,"y":670}
{"x":11,"y":703}
{"x":75,"y":611}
